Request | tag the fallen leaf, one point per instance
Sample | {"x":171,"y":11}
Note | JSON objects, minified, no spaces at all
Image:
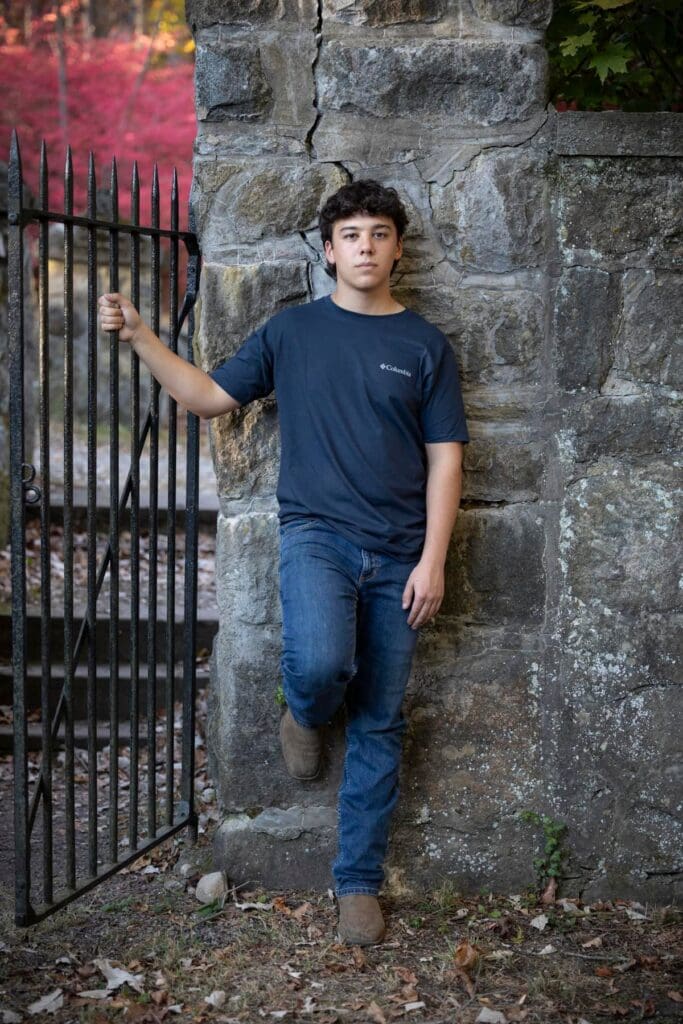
{"x":604,"y":971}
{"x":216,"y":998}
{"x":418,"y":1005}
{"x":465,"y":956}
{"x":488,"y":1016}
{"x":675,"y":995}
{"x":597,"y":941}
{"x":301,"y":911}
{"x":464,"y":977}
{"x":547,"y":950}
{"x":375,"y":1013}
{"x":646,"y":1006}
{"x":405,"y":975}
{"x":117,"y":976}
{"x":359,"y":958}
{"x":539,"y":922}
{"x":253,"y":906}
{"x":549,"y":891}
{"x":280,"y":905}
{"x":568,"y":906}
{"x":49,"y":1003}
{"x":9,"y":1017}
{"x":95,"y":993}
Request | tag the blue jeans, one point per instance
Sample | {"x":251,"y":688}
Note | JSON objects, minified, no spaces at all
{"x":346,"y":638}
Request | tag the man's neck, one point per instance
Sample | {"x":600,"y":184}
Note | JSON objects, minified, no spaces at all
{"x":371,"y":303}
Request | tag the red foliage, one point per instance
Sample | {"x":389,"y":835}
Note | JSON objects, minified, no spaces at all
{"x":116,"y":105}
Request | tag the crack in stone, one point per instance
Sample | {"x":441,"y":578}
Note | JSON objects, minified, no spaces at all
{"x":318,"y":30}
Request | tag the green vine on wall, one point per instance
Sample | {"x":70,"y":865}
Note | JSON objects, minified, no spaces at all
{"x":616,"y":54}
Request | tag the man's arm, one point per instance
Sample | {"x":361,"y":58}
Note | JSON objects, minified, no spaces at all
{"x":187,"y":384}
{"x":425,"y":586}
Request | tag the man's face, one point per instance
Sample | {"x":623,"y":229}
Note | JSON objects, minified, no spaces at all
{"x":363,"y":250}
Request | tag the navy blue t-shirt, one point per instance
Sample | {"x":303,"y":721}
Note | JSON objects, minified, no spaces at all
{"x":358,"y":396}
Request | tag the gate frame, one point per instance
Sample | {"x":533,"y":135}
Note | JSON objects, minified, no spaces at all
{"x":22,"y":490}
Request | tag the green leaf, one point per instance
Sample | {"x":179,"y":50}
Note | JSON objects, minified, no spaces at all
{"x":613,"y":58}
{"x":572,"y":44}
{"x":604,"y":5}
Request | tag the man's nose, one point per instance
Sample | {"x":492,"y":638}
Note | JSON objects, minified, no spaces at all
{"x":366,"y":243}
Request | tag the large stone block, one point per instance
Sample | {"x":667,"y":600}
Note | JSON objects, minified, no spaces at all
{"x":620,"y":529}
{"x":494,"y":572}
{"x":246,"y":452}
{"x":496,"y":334}
{"x":473,"y":759}
{"x":620,"y":641}
{"x":498,"y":468}
{"x":235,"y":300}
{"x":200,"y":14}
{"x":629,"y":424}
{"x":587,"y":305}
{"x":374,"y":13}
{"x":437,"y":81}
{"x":493,"y":216}
{"x":244,"y":202}
{"x":622,"y":209}
{"x":649,"y":346}
{"x":281,"y":848}
{"x":534,"y":13}
{"x":230,"y":83}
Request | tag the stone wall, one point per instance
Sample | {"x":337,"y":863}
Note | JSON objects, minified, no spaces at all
{"x":545,"y":247}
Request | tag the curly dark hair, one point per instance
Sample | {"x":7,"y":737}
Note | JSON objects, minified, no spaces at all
{"x":364,"y":196}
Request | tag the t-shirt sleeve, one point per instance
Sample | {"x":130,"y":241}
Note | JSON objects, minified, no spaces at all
{"x":248,"y":374}
{"x":442,"y":412}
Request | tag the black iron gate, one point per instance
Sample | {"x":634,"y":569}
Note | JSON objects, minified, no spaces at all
{"x":62,"y":820}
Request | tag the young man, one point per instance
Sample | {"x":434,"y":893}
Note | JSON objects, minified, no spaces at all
{"x":372,"y":432}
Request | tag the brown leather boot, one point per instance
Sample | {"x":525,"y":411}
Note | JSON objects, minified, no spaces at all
{"x":301,"y":748}
{"x":360,"y":920}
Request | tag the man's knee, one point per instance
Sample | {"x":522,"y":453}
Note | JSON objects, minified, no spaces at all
{"x":318,"y":671}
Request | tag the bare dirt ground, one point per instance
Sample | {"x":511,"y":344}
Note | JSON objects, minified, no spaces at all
{"x":274,"y":956}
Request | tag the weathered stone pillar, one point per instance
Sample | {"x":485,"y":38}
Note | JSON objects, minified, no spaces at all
{"x":445,"y":100}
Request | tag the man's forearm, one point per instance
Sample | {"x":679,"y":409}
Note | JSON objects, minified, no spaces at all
{"x":189,"y":385}
{"x":444,"y":488}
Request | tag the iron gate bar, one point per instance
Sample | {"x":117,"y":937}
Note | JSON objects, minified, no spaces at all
{"x":171,"y":504}
{"x":91,"y":521}
{"x":133,"y":709}
{"x":153,"y":531}
{"x":17,"y":483}
{"x":69,"y":766}
{"x":45,"y":575}
{"x":21,"y":477}
{"x":28,"y":216}
{"x":113,"y":547}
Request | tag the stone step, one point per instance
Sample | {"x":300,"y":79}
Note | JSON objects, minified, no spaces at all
{"x":207,"y":625}
{"x":102,"y":676}
{"x":35,"y":736}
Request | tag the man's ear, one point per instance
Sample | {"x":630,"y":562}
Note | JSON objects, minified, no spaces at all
{"x":329,"y":251}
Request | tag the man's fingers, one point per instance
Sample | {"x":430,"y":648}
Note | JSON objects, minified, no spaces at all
{"x":408,"y":593}
{"x":422,"y":611}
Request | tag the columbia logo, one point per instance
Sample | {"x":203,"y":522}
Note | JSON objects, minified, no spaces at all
{"x":395,"y":369}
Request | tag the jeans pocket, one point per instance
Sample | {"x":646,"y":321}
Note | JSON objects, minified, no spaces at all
{"x":296,"y":526}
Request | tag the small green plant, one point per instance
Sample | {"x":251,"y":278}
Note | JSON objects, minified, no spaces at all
{"x":280,"y":696}
{"x":550,"y":864}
